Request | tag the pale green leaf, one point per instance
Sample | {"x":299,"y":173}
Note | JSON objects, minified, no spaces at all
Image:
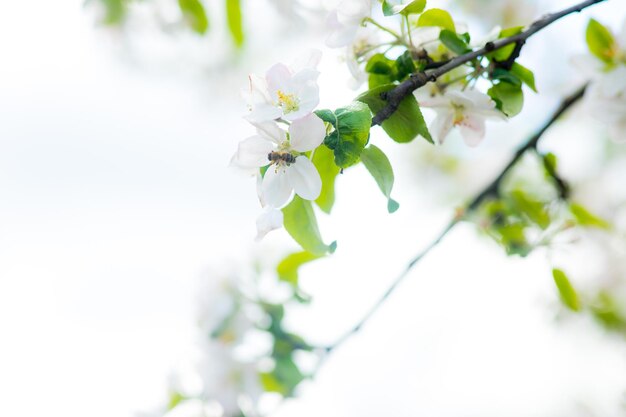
{"x":195,"y":15}
{"x":301,"y":224}
{"x":437,"y":17}
{"x":288,"y":268}
{"x":323,"y":159}
{"x":235,"y":25}
{"x":379,"y":167}
{"x":600,"y":41}
{"x":566,"y":290}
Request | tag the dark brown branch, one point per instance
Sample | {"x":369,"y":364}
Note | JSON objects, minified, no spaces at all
{"x":394,"y":97}
{"x":489,"y":191}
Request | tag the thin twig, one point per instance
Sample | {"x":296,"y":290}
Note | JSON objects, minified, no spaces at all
{"x":489,"y":191}
{"x":395,"y":96}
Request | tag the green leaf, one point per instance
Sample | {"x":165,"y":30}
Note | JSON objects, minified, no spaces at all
{"x":600,"y":41}
{"x":271,"y":384}
{"x":326,"y":115}
{"x":525,"y":75}
{"x":437,"y":17}
{"x":500,"y":74}
{"x":323,"y":159}
{"x":585,"y":218}
{"x":414,"y":7}
{"x":288,"y":373}
{"x":533,"y":209}
{"x":287,"y":269}
{"x":508,"y":97}
{"x":235,"y":25}
{"x":566,"y":290}
{"x":454,"y":42}
{"x":195,"y":15}
{"x":550,"y":163}
{"x":175,"y":399}
{"x":352,"y":128}
{"x":404,"y":65}
{"x":505,"y":52}
{"x":115,"y":10}
{"x":380,"y":64}
{"x":300,"y":223}
{"x":379,"y":166}
{"x":405,"y":123}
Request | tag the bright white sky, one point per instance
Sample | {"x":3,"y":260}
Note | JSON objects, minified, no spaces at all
{"x":115,"y":198}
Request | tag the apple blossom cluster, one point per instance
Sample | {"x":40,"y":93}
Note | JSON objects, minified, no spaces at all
{"x":243,"y":350}
{"x":287,"y":95}
{"x":298,"y":150}
{"x":605,"y":97}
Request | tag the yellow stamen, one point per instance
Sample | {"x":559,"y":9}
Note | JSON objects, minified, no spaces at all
{"x":288,"y":102}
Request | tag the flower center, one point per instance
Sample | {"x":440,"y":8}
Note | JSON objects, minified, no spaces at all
{"x":288,"y":102}
{"x":459,"y":116}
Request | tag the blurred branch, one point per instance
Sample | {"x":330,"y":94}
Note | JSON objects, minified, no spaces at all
{"x":416,"y":80}
{"x":491,"y":190}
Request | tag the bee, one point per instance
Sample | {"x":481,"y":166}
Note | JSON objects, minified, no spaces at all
{"x":278,"y":157}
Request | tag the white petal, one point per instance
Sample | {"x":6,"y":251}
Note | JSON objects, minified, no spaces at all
{"x":305,"y":75}
{"x":341,"y":36}
{"x":270,"y":219}
{"x":617,"y":132}
{"x":276,"y":189}
{"x":263,"y":112}
{"x":589,"y":66}
{"x":279,"y":78}
{"x":307,"y":133}
{"x":441,"y":125}
{"x":253,"y":152}
{"x":309,"y":61}
{"x":473,"y":130}
{"x":271,"y":131}
{"x":304,"y":178}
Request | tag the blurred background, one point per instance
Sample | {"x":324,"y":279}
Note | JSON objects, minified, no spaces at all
{"x":117,"y":204}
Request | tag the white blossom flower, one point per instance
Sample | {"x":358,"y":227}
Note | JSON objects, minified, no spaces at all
{"x":345,"y":21}
{"x":605,"y":99}
{"x":226,"y":379}
{"x":289,"y":170}
{"x":467,"y":110}
{"x":362,"y":48}
{"x":288,"y":92}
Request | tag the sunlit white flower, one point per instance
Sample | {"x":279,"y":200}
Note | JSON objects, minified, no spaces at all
{"x":289,"y":170}
{"x":467,"y":110}
{"x":345,"y":21}
{"x":288,"y":92}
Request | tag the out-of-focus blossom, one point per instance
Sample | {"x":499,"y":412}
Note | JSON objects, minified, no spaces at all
{"x":467,"y":110}
{"x":363,"y":47}
{"x":605,"y":97}
{"x":345,"y":21}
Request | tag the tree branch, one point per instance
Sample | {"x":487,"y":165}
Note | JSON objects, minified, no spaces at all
{"x":488,"y":191}
{"x":416,"y":80}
